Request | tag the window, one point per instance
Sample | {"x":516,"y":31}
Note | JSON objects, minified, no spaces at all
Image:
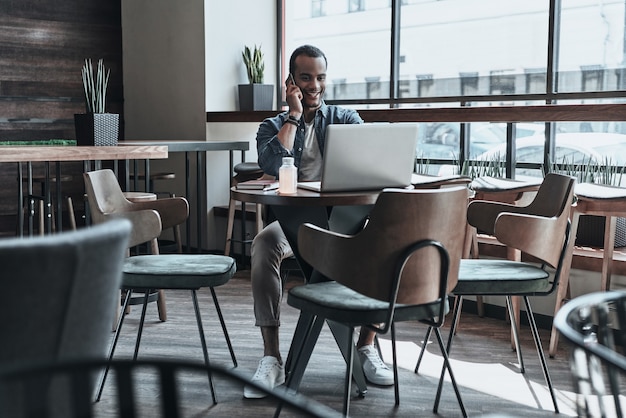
{"x":356,"y":6}
{"x":469,"y":53}
{"x":318,"y":8}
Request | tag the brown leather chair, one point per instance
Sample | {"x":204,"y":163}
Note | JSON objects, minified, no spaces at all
{"x":540,"y":230}
{"x":400,"y":267}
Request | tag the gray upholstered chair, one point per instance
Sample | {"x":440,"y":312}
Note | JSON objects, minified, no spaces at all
{"x":400,"y":267}
{"x":539,"y":230}
{"x":157,"y":271}
{"x":58,"y":292}
{"x":57,"y":299}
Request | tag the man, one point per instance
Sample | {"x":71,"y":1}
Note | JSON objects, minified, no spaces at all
{"x":300,"y":132}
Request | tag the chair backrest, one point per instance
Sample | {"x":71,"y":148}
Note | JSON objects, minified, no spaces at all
{"x":106,"y":201}
{"x":369,"y":261}
{"x":154,"y":388}
{"x":59,"y":292}
{"x":104,"y":194}
{"x":543,"y":231}
{"x":595,"y":324}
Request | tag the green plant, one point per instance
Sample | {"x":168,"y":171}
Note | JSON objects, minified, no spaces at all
{"x":253,"y":59}
{"x":484,"y":168}
{"x":592,"y":171}
{"x":95,"y":86}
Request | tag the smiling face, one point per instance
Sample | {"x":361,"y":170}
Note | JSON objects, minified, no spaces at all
{"x":310,"y":76}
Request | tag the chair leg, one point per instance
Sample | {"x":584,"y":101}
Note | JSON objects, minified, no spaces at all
{"x":259,"y":218}
{"x":178,"y":239}
{"x":118,"y":329}
{"x":141,"y":322}
{"x":72,"y":214}
{"x":205,"y":351}
{"x":542,"y":357}
{"x":229,"y":226}
{"x":396,"y":385}
{"x":455,"y":319}
{"x":223,"y":324}
{"x":446,"y":366}
{"x":162,"y":310}
{"x":429,"y":331}
{"x":515,"y":333}
{"x":42,"y":222}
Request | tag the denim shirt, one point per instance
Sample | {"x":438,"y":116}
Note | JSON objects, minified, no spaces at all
{"x":271,"y":151}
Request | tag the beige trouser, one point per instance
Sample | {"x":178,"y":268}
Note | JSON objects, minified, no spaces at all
{"x":269,"y":249}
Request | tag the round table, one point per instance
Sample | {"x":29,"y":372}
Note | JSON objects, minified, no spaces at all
{"x":349,"y":210}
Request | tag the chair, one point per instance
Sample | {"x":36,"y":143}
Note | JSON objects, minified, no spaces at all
{"x":36,"y":202}
{"x":400,"y":267}
{"x":244,"y":171}
{"x":497,"y":189}
{"x":65,"y":285}
{"x":22,"y":394}
{"x":540,"y":230}
{"x":157,"y":271}
{"x":599,"y":200}
{"x":177,"y":244}
{"x":595,"y":326}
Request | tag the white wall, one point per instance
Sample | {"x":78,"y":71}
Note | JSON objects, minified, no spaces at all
{"x":181,"y":59}
{"x":231,"y":25}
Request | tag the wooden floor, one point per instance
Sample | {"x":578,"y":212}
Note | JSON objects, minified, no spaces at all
{"x":485,"y":366}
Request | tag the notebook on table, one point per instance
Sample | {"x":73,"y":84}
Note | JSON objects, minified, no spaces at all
{"x":370,"y":156}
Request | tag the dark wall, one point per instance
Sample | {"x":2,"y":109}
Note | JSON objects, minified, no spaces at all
{"x":43,"y":45}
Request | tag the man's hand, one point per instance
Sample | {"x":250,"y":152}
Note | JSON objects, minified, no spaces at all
{"x":293,"y":96}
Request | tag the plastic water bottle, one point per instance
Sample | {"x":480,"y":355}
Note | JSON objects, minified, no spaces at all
{"x":287,"y":177}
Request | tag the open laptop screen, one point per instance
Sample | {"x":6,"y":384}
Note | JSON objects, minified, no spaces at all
{"x":368,"y":156}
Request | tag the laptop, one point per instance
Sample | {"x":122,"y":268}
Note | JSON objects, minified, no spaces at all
{"x":370,"y":156}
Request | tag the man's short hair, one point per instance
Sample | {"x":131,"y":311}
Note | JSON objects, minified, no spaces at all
{"x":309,"y":51}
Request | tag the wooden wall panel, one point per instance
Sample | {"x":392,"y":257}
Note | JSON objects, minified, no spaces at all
{"x":43,"y":44}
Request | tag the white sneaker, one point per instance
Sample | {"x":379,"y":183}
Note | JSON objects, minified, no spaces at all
{"x":376,"y":371}
{"x":269,"y":374}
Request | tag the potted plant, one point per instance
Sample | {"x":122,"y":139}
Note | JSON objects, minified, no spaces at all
{"x":96,"y":127}
{"x":255,"y":95}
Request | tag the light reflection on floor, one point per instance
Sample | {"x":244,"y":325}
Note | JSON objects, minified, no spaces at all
{"x":493,"y":379}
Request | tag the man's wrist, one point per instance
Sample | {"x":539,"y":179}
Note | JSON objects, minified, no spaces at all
{"x":294,"y":116}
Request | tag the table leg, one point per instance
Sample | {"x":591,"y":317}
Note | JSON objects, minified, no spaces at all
{"x":20,"y":201}
{"x":187,"y":222}
{"x":59,"y":202}
{"x":199,"y":194}
{"x":47,"y":206}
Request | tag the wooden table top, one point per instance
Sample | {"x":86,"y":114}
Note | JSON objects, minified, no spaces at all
{"x":198,"y":145}
{"x":306,"y":197}
{"x":13,"y":154}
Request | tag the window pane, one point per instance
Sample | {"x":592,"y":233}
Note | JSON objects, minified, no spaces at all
{"x":591,"y":51}
{"x":355,"y":36}
{"x":473,"y":47}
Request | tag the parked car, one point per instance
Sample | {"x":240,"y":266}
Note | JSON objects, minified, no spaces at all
{"x":442,"y":140}
{"x":572,"y":148}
